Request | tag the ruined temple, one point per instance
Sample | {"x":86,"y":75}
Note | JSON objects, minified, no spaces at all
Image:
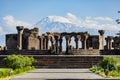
{"x":29,"y":39}
{"x":48,"y":47}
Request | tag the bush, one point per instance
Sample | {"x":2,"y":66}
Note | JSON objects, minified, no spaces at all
{"x":110,"y":63}
{"x":22,"y":70}
{"x":18,"y":61}
{"x":114,"y":73}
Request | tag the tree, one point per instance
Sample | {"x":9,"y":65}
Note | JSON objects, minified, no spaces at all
{"x":117,"y":40}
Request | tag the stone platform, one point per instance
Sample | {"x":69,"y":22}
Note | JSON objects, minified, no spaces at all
{"x":63,"y":61}
{"x":67,"y":61}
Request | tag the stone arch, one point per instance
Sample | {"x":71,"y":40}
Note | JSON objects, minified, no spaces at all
{"x":72,"y":43}
{"x":63,"y":43}
{"x":51,"y":42}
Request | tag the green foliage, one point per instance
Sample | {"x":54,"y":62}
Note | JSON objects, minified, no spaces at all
{"x":4,"y":72}
{"x":9,"y":72}
{"x":97,"y":69}
{"x":18,"y":61}
{"x":114,"y":74}
{"x":94,"y":68}
{"x":109,"y":63}
{"x":117,"y":41}
{"x":22,"y":70}
{"x":109,"y":67}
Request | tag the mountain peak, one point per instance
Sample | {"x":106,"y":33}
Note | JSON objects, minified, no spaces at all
{"x":58,"y":19}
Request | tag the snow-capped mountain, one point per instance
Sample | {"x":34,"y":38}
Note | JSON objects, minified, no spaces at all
{"x":66,"y":24}
{"x":57,"y":24}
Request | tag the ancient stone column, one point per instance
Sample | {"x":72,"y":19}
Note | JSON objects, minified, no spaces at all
{"x":77,"y":43}
{"x":67,"y":43}
{"x":60,"y":41}
{"x":101,"y":39}
{"x":110,"y":42}
{"x":39,"y":42}
{"x":84,"y":44}
{"x":19,"y":37}
{"x":107,"y":43}
{"x":47,"y":44}
{"x":44,"y":43}
{"x":84,"y":40}
{"x":56,"y":43}
{"x":115,"y":40}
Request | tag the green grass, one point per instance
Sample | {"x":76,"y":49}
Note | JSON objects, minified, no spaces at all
{"x":6,"y":73}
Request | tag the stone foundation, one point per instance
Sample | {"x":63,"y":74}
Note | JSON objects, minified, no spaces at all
{"x":27,"y":52}
{"x":109,"y":52}
{"x":84,"y":52}
{"x":66,"y":61}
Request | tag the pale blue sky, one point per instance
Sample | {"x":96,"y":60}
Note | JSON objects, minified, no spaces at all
{"x":31,"y":11}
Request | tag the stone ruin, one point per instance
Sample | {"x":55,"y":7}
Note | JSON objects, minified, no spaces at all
{"x":28,"y":42}
{"x":29,"y":39}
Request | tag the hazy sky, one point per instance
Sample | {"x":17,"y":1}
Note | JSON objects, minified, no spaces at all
{"x":28,"y":12}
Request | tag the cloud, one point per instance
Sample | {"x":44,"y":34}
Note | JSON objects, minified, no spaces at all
{"x":9,"y":23}
{"x":9,"y":20}
{"x":105,"y":23}
{"x":103,"y":19}
{"x":1,"y":31}
{"x":73,"y":19}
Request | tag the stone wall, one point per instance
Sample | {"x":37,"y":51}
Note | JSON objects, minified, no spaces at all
{"x":67,"y":61}
{"x":33,"y":44}
{"x":11,"y":41}
{"x":63,"y":61}
{"x":93,"y":42}
{"x":109,"y":52}
{"x":27,"y":52}
{"x":84,"y":52}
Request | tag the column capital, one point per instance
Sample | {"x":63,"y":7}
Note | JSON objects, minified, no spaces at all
{"x":67,"y":37}
{"x":77,"y":39}
{"x":106,"y":39}
{"x":19,"y":28}
{"x":110,"y":37}
{"x":60,"y":39}
{"x":47,"y":37}
{"x":84,"y":36}
{"x":101,"y":32}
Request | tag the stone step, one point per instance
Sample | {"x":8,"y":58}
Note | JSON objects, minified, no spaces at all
{"x":64,"y":61}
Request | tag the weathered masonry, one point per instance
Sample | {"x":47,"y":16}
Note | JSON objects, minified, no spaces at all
{"x":29,"y":39}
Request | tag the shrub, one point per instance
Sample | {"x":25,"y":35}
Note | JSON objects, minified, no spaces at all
{"x":109,"y":63}
{"x":18,"y":61}
{"x":114,"y":73}
{"x":22,"y":70}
